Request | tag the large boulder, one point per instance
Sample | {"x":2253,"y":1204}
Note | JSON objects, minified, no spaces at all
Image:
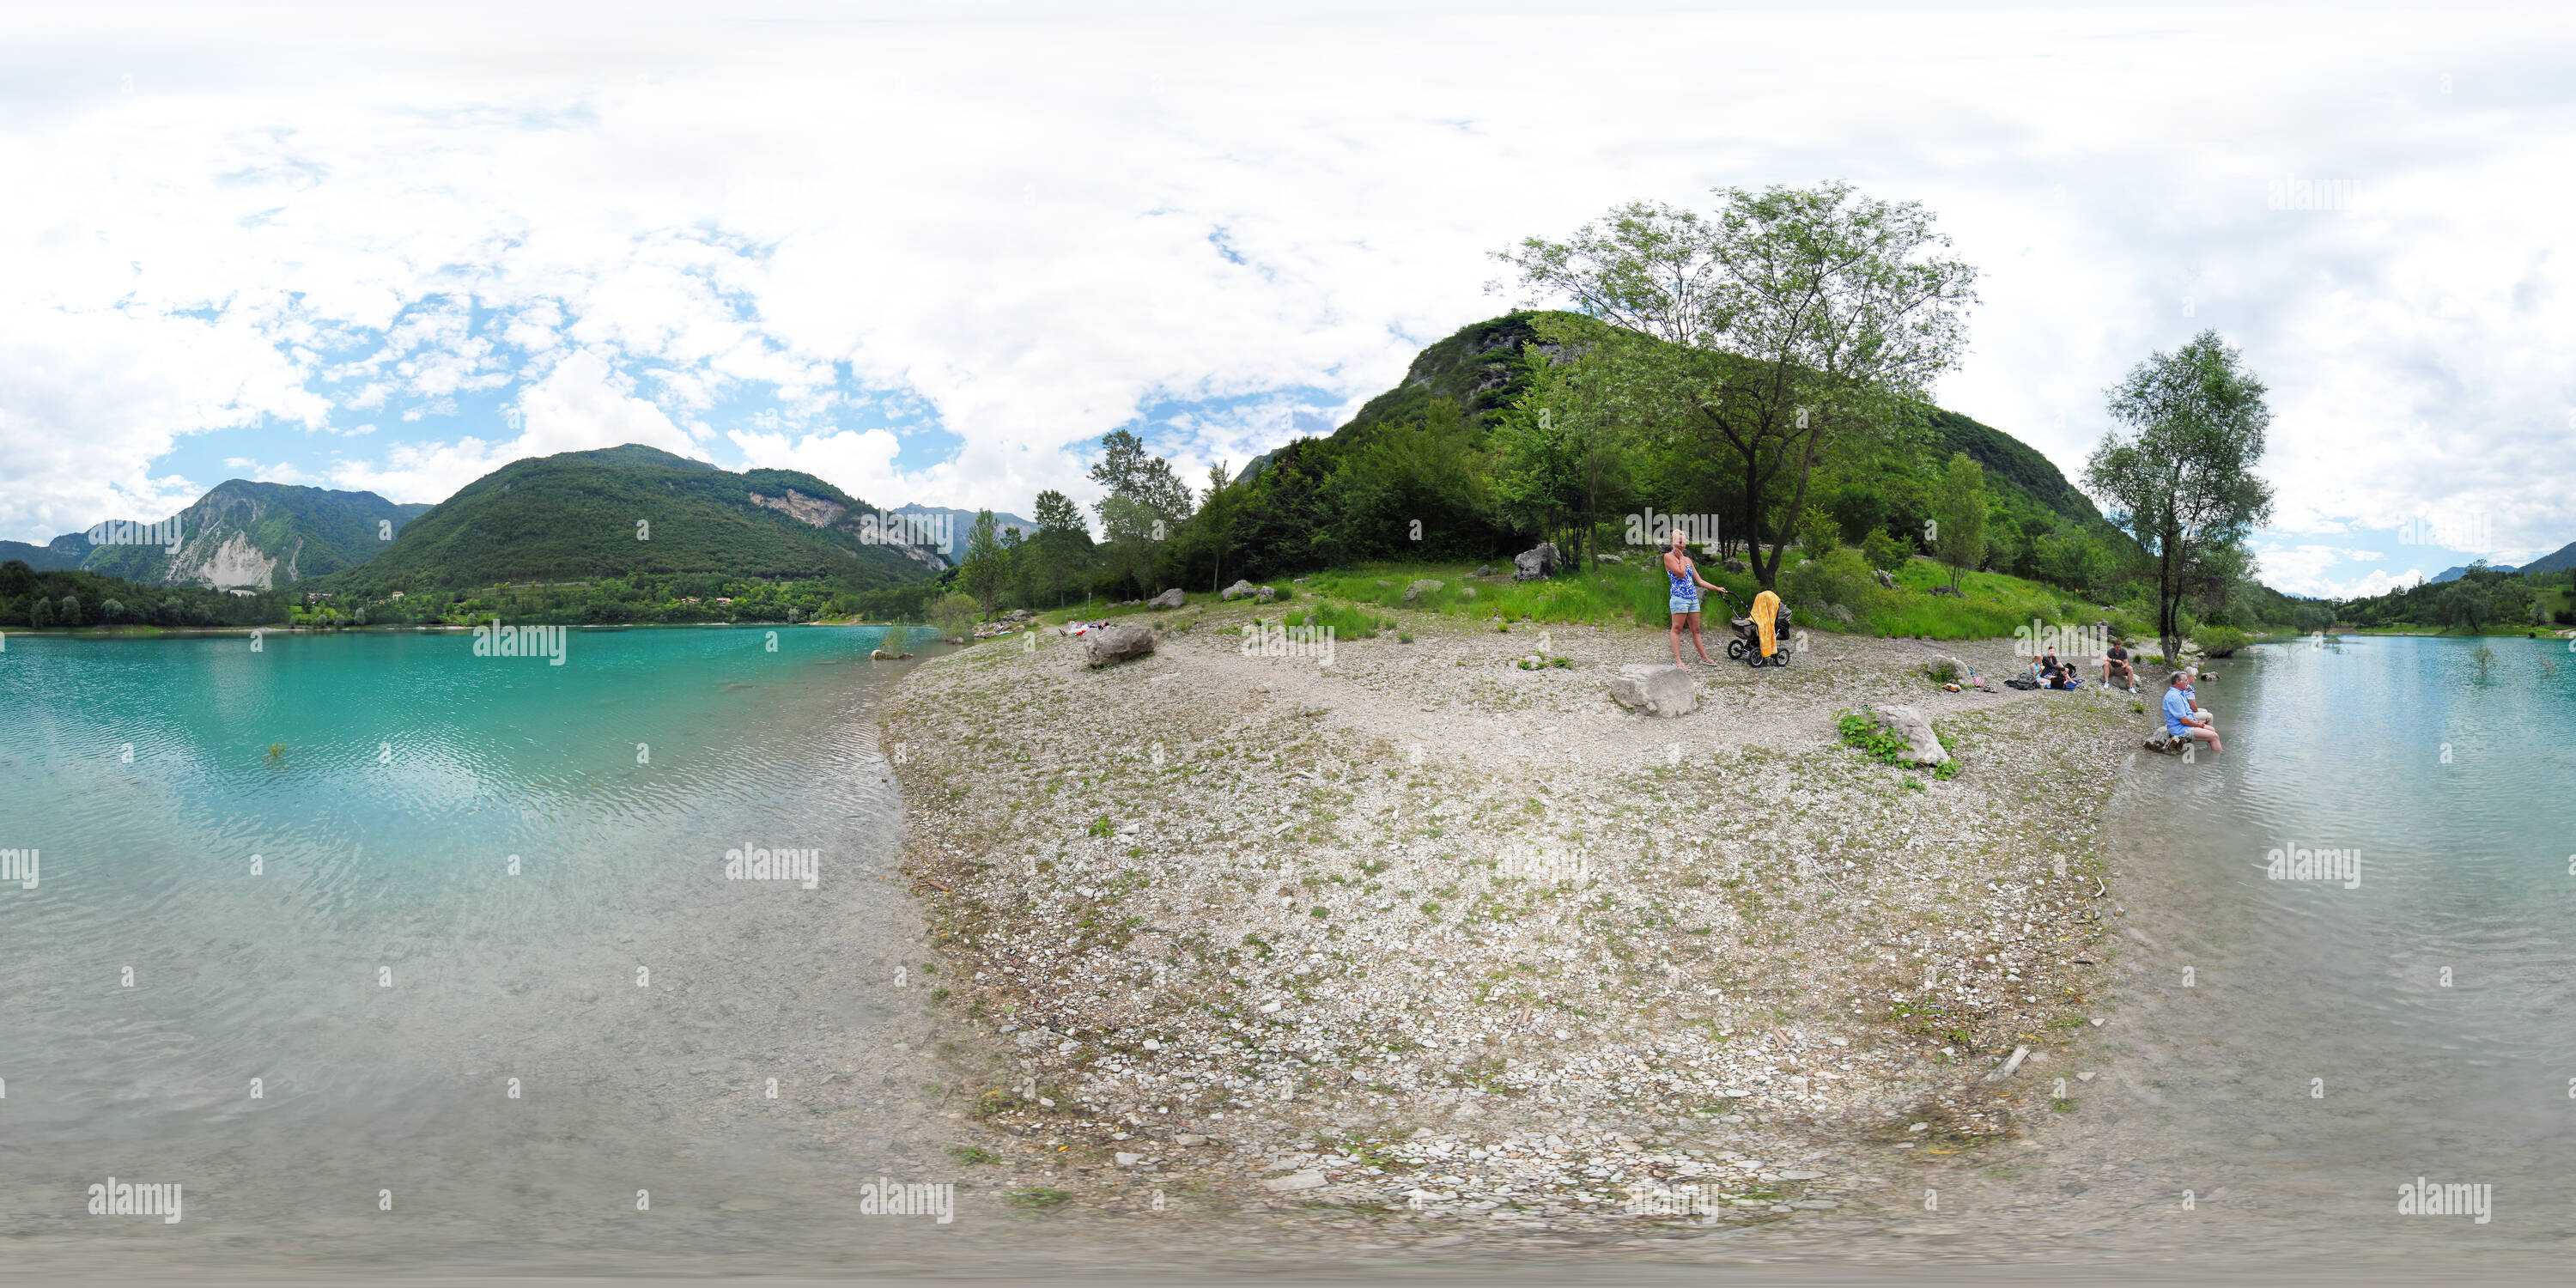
{"x":1535,"y":563}
{"x":1119,"y":642}
{"x":1413,"y":594}
{"x":2166,"y":743}
{"x":1909,"y":723}
{"x":1172,"y":598}
{"x":1484,"y":570}
{"x":1736,"y":565}
{"x":1885,"y":578}
{"x":1238,"y":590}
{"x":1655,"y":690}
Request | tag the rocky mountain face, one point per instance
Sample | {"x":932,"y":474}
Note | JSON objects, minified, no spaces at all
{"x":239,"y":536}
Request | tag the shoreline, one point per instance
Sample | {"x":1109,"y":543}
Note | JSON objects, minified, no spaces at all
{"x":1425,"y":942}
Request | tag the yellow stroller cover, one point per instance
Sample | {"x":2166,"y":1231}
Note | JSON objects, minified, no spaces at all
{"x":1766,"y":606}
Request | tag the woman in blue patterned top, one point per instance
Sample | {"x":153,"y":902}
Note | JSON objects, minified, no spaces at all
{"x":1686,"y":584}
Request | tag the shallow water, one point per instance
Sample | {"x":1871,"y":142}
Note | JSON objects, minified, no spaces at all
{"x":2343,"y":1035}
{"x":2318,"y":1058}
{"x":293,"y":867}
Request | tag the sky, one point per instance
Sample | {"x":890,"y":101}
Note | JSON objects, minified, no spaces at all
{"x":932,"y":253}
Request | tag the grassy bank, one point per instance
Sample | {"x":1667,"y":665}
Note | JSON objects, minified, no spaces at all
{"x":1632,"y":594}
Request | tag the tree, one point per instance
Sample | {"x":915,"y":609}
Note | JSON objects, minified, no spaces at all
{"x":1959,"y":515}
{"x":2177,"y":468}
{"x":1818,"y":534}
{"x":1062,"y":545}
{"x":1144,"y":507}
{"x":1823,"y":312}
{"x":987,"y":567}
{"x":1214,"y":526}
{"x":71,"y":610}
{"x":40,"y":613}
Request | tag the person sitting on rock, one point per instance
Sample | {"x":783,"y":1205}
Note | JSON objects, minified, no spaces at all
{"x":2181,"y":721}
{"x":1684,"y":601}
{"x":2116,"y":662}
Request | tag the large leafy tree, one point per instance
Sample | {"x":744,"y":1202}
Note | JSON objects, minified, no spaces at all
{"x":1809,"y":315}
{"x":1061,"y":550}
{"x":2177,"y":470}
{"x":1142,"y":509}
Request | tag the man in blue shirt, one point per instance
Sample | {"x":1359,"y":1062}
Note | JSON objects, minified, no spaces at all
{"x":2180,"y":720}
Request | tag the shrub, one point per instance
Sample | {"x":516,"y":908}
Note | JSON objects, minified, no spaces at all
{"x":1841,"y":578}
{"x":1818,"y":534}
{"x":1883,"y":551}
{"x":954,"y":613}
{"x":2219,"y":641}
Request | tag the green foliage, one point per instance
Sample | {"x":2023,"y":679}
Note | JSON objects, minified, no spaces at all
{"x":2219,"y":641}
{"x":2179,"y":471}
{"x":626,"y":512}
{"x":953,"y":614}
{"x":1842,"y":579}
{"x":1819,"y":533}
{"x":1959,"y":510}
{"x":1882,"y":551}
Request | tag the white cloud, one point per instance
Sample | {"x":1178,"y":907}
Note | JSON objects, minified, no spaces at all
{"x":1033,"y":226}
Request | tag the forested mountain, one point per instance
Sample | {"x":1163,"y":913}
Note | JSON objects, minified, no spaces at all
{"x":634,"y":510}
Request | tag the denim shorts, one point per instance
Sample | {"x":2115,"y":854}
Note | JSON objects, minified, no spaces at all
{"x":1681,"y":605}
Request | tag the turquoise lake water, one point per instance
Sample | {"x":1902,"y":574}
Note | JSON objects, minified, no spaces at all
{"x":383,"y":975}
{"x":2341,"y":1038}
{"x":294,"y":865}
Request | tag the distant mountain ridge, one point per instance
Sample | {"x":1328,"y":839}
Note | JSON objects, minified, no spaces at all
{"x":240,"y":535}
{"x":2455,"y":573}
{"x":954,"y":524}
{"x":630,"y":510}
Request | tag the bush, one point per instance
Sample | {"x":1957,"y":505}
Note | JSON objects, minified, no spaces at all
{"x":1883,"y":552}
{"x":1818,"y":534}
{"x":953,"y":614}
{"x":1841,"y":578}
{"x":2219,"y":641}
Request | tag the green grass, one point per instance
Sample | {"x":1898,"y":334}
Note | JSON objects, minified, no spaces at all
{"x":1633,"y":594}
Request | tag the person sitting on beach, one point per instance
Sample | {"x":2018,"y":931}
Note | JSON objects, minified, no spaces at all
{"x":2181,"y":721}
{"x":1684,"y":598}
{"x":2116,"y":662}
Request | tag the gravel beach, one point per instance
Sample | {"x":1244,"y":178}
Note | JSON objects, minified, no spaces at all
{"x":1420,"y":943}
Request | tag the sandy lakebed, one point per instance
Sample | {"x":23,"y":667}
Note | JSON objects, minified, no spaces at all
{"x":1422,"y":949}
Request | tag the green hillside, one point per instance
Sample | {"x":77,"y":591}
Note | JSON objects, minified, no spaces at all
{"x":636,"y":511}
{"x":260,"y":536}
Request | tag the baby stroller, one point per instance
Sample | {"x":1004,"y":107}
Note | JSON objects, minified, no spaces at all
{"x":1747,"y":643}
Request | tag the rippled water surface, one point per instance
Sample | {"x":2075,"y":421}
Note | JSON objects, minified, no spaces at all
{"x":305,"y":914}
